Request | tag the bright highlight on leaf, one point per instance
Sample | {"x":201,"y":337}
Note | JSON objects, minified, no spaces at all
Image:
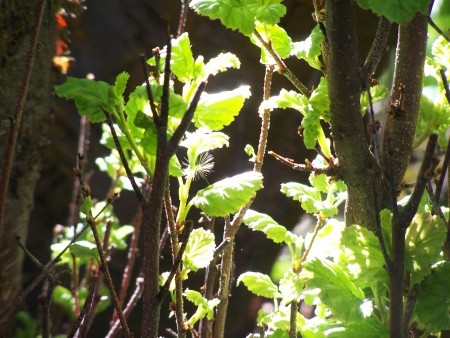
{"x":218,"y":110}
{"x":241,"y":14}
{"x":199,"y":249}
{"x":274,"y":231}
{"x":259,"y":284}
{"x":229,"y":195}
{"x":394,"y":10}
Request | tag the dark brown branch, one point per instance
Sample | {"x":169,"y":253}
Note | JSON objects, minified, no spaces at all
{"x":440,"y":183}
{"x":378,"y":47}
{"x":16,"y":119}
{"x":427,"y":168}
{"x":176,"y":264}
{"x":104,"y":265}
{"x":435,"y":203}
{"x":331,"y":170}
{"x":130,"y":306}
{"x":345,"y":80}
{"x":151,"y":100}
{"x":445,"y":84}
{"x":436,"y":27}
{"x":124,"y":160}
{"x":164,"y":112}
{"x":409,"y":309}
{"x":46,"y":306}
{"x":282,"y":68}
{"x":185,"y":121}
{"x":406,"y":93}
{"x":183,"y":17}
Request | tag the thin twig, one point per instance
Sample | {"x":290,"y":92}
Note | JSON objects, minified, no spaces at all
{"x":376,"y":140}
{"x":436,"y":207}
{"x":104,"y":265}
{"x":176,"y":264}
{"x":131,"y":258}
{"x":130,"y":306}
{"x":179,"y":312}
{"x":427,"y":168}
{"x":378,"y":47}
{"x":46,"y":309}
{"x":314,"y":235}
{"x":436,"y":27}
{"x":130,"y":175}
{"x":78,"y":325}
{"x":445,"y":84}
{"x":282,"y":68}
{"x":18,"y":113}
{"x":293,"y":319}
{"x":331,"y":170}
{"x":440,"y":182}
{"x":185,"y":121}
{"x":151,"y":100}
{"x":183,"y":17}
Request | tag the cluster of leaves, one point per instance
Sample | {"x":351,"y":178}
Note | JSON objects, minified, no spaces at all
{"x":346,"y":278}
{"x":339,"y":270}
{"x":136,"y":130}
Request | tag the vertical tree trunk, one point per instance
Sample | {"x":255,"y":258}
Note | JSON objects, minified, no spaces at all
{"x":345,"y":80}
{"x":16,"y":25}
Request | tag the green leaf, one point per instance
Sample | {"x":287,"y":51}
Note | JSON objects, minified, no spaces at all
{"x":372,"y":329}
{"x":377,"y":92}
{"x":84,"y":250}
{"x":386,"y":228}
{"x":229,"y":195}
{"x":118,"y":236}
{"x":337,"y":291}
{"x":432,"y":309}
{"x":424,"y":239}
{"x":240,"y":15}
{"x":306,"y":195}
{"x":86,"y":206}
{"x":216,"y":111}
{"x":441,"y":52}
{"x":274,"y":231}
{"x":319,"y":100}
{"x":311,"y":48}
{"x":326,"y":243}
{"x":64,"y":298}
{"x":250,"y":151}
{"x":205,"y":307}
{"x":199,"y":249}
{"x":279,"y":39}
{"x":396,"y":11}
{"x":221,"y":62}
{"x":182,"y":61}
{"x":287,"y":99}
{"x":361,"y":256}
{"x":90,"y":97}
{"x":202,"y":141}
{"x":259,"y":284}
{"x":291,"y":287}
{"x":121,"y":84}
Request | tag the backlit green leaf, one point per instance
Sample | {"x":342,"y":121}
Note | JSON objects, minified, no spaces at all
{"x":394,"y":10}
{"x":199,"y":249}
{"x":337,"y":291}
{"x":222,"y":62}
{"x":290,"y":287}
{"x":84,"y":250}
{"x":216,"y":111}
{"x":241,"y":15}
{"x":424,"y":239}
{"x":361,"y":256}
{"x":182,"y":60}
{"x":279,"y":40}
{"x":259,"y":284}
{"x":229,"y":195}
{"x":274,"y":231}
{"x":311,"y":48}
{"x":90,"y":97}
{"x":432,"y":309}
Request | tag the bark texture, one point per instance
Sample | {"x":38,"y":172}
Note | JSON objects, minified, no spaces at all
{"x":405,"y":97}
{"x":345,"y":80}
{"x":16,"y":25}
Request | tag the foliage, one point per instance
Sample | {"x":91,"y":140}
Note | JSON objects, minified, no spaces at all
{"x":343,"y":271}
